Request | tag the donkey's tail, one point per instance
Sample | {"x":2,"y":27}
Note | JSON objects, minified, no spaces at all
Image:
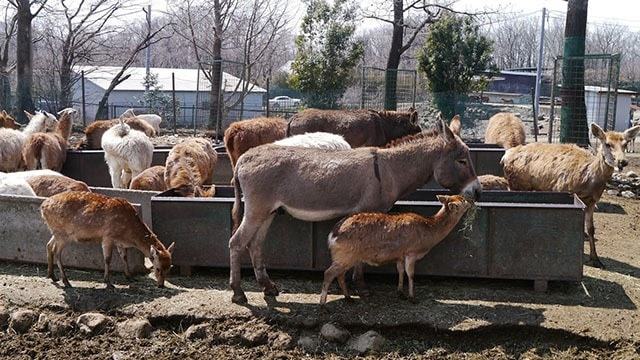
{"x":237,"y":211}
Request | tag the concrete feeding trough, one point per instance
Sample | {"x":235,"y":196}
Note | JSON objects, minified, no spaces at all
{"x":25,"y":235}
{"x":89,"y":166}
{"x":140,"y":197}
{"x":515,"y":235}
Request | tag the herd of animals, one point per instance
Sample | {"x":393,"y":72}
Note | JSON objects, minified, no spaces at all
{"x":318,"y":165}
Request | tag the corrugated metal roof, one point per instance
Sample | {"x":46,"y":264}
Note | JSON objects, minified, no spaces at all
{"x":602,"y":89}
{"x":185,"y":79}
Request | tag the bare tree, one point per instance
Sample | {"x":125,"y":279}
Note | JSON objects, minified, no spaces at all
{"x":6,"y":67}
{"x":149,"y":38}
{"x":24,"y":59}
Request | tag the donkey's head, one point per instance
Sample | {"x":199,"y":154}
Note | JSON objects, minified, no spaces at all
{"x":453,"y":168}
{"x":398,"y":124}
{"x":614,"y":144}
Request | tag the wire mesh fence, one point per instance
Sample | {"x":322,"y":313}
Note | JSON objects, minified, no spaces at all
{"x":388,"y":89}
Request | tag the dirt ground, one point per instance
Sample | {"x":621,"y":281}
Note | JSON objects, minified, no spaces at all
{"x":454,"y":318}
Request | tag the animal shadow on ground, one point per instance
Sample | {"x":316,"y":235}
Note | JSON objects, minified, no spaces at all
{"x":620,"y":267}
{"x":610,"y":208}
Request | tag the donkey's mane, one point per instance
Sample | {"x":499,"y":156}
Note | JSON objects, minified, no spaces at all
{"x":412,"y":138}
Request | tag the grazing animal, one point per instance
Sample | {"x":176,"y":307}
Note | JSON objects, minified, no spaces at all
{"x":15,"y":186}
{"x":492,"y":182}
{"x":78,"y":216}
{"x":49,"y":185}
{"x":318,"y":140}
{"x":506,"y":130}
{"x":152,"y":179}
{"x":94,"y":132}
{"x":12,"y":141}
{"x":565,"y":167}
{"x":358,"y":127}
{"x":26,"y":175}
{"x":377,"y":238}
{"x":127,"y":152}
{"x":318,"y":185}
{"x":243,"y":135}
{"x":454,"y":125}
{"x":152,"y":119}
{"x":189,"y":166}
{"x":49,"y":150}
{"x":7,"y":121}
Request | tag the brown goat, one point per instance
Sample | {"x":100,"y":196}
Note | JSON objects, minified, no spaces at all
{"x":506,"y":130}
{"x":49,"y":150}
{"x":49,"y":185}
{"x":565,"y":167}
{"x":492,"y":182}
{"x":7,"y":121}
{"x":358,"y":127}
{"x":243,"y":135}
{"x":93,"y":133}
{"x":377,"y":238}
{"x":152,"y":179}
{"x":189,"y":166}
{"x":78,"y":216}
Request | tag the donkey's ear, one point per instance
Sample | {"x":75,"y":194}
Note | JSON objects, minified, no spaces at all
{"x":631,"y":133}
{"x":413,"y":117}
{"x":455,"y":125}
{"x":597,"y":131}
{"x":446,"y":132}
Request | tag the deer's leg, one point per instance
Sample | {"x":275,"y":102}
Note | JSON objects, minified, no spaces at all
{"x":107,"y":251}
{"x":409,"y":266}
{"x":331,"y":273}
{"x":123,"y":255}
{"x":259,"y":268}
{"x":343,"y":284}
{"x":50,"y":253}
{"x":400,"y":268}
{"x":57,"y":249}
{"x":237,"y":244}
{"x":593,"y":255}
{"x":358,"y":279}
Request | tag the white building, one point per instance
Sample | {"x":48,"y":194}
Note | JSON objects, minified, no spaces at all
{"x":129,"y":93}
{"x":596,"y":102}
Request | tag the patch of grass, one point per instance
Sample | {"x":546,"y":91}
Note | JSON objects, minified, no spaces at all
{"x":468,"y":219}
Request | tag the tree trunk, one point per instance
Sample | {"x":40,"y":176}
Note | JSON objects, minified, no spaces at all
{"x":66,"y":96}
{"x":393,"y":61}
{"x":24,"y":101}
{"x":215,"y":113}
{"x":5,"y":88}
{"x":573,"y":121}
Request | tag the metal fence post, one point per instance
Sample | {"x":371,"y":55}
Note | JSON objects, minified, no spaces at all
{"x":84,"y":109}
{"x":173,"y":94}
{"x":415,"y":86}
{"x":363,"y":87}
{"x":553,"y":100}
{"x":268,"y":112}
{"x":535,"y":114}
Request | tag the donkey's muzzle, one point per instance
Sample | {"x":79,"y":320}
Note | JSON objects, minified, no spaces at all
{"x":473,"y":190}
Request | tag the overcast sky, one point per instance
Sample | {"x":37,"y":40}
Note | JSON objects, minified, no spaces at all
{"x":625,"y":12}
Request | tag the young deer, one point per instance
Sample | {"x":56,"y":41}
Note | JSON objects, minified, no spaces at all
{"x":377,"y":238}
{"x":78,"y":216}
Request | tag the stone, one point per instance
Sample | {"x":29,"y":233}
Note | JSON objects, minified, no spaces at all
{"x":198,"y":331}
{"x":119,"y":355}
{"x":309,"y":343}
{"x":280,"y":340}
{"x":42,"y":324}
{"x":91,"y":323}
{"x":310,"y":322}
{"x":370,"y":341}
{"x":255,"y":335}
{"x":4,"y":317}
{"x":631,"y":174}
{"x":612,"y":192}
{"x":22,"y":320}
{"x":335,"y":334}
{"x":135,"y":328}
{"x":60,"y":327}
{"x":628,"y":194}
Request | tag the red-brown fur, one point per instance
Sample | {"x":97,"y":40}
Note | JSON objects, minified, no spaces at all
{"x":7,"y":121}
{"x":49,"y":150}
{"x":151,"y":179}
{"x":189,"y":166}
{"x":49,"y":185}
{"x":77,"y":216}
{"x":243,"y":135}
{"x":378,"y":238}
{"x":93,"y":133}
{"x":506,"y":130}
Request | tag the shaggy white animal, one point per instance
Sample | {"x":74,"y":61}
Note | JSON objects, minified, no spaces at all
{"x":152,"y":119}
{"x":26,"y":175}
{"x":12,"y":141}
{"x":15,"y":186}
{"x":318,"y":140}
{"x":127,"y":152}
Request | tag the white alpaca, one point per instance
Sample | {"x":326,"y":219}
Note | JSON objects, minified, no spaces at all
{"x":26,"y":175}
{"x":318,"y":140}
{"x":152,"y":119}
{"x":12,"y":141}
{"x":127,"y":153}
{"x":15,"y":186}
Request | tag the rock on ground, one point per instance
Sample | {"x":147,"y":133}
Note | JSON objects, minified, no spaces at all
{"x":370,"y":341}
{"x":22,"y":320}
{"x":60,"y":326}
{"x":280,"y":340}
{"x":198,"y":331}
{"x":335,"y":334}
{"x":628,"y":194}
{"x":91,"y":323}
{"x":4,"y":317}
{"x":135,"y":328}
{"x":309,"y":343}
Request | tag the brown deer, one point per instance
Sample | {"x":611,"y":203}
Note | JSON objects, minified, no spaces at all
{"x":377,"y":238}
{"x":49,"y":150}
{"x":78,"y":216}
{"x":49,"y":185}
{"x":243,"y":135}
{"x":566,"y":167}
{"x":317,"y":185}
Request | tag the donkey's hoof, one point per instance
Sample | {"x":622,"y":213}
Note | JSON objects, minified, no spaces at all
{"x":239,"y":299}
{"x":271,"y":291}
{"x":595,"y":263}
{"x":364,"y":292}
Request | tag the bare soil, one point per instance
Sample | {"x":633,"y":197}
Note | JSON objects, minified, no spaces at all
{"x":454,"y":318}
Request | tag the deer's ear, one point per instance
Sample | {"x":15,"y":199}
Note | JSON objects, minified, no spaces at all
{"x":171,"y":247}
{"x":631,"y":133}
{"x":597,"y":131}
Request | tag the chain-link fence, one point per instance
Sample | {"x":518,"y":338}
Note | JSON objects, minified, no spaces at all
{"x":388,"y":89}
